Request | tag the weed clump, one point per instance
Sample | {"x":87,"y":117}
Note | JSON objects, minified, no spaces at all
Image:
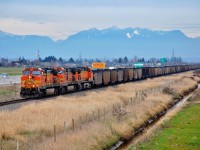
{"x":168,"y":90}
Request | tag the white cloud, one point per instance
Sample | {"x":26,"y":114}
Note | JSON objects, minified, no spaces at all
{"x":60,"y":21}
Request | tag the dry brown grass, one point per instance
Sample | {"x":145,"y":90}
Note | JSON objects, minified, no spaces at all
{"x":104,"y":133}
{"x":40,"y":117}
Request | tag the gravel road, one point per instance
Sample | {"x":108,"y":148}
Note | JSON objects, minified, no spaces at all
{"x":9,"y":80}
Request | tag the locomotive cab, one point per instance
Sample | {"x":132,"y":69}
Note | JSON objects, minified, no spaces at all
{"x":31,"y":80}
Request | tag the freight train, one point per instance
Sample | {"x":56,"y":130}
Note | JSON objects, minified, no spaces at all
{"x":36,"y":81}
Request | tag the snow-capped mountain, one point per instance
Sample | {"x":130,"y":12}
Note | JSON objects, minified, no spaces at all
{"x":110,"y":42}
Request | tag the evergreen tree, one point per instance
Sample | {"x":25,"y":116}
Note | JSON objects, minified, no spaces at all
{"x":50,"y":59}
{"x":125,"y":59}
{"x":120,"y":60}
{"x":60,"y":59}
{"x":71,"y":60}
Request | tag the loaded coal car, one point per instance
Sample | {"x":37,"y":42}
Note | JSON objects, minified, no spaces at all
{"x":120,"y":75}
{"x":113,"y":76}
{"x":97,"y":77}
{"x":130,"y":74}
{"x":106,"y":76}
{"x":140,"y":73}
{"x":126,"y":74}
{"x":151,"y":72}
{"x":145,"y":72}
{"x":167,"y":70}
{"x":185,"y":67}
{"x":173,"y":69}
{"x":188,"y":67}
{"x":135,"y":73}
{"x":162,"y":70}
{"x":177,"y":69}
{"x":156,"y":71}
{"x":159,"y":71}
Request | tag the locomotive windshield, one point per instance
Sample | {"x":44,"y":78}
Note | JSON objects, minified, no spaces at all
{"x":37,"y":73}
{"x":60,"y":72}
{"x":26,"y":72}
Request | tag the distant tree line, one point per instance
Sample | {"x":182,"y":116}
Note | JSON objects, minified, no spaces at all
{"x":54,"y":59}
{"x":116,"y":61}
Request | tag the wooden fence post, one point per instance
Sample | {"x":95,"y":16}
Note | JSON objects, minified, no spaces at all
{"x":32,"y":140}
{"x":98,"y":114}
{"x":104,"y":113}
{"x":86,"y":118}
{"x":64,"y":127}
{"x":80,"y":122}
{"x":93,"y":116}
{"x":131,"y":101}
{"x":54,"y":133}
{"x":17,"y":145}
{"x":138,"y":96}
{"x":73,"y":127}
{"x":113,"y":109}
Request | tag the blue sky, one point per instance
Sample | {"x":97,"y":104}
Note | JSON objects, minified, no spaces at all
{"x":61,"y":18}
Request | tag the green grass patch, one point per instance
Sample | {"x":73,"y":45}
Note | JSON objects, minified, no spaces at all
{"x":181,"y":132}
{"x":12,"y":71}
{"x":6,"y":92}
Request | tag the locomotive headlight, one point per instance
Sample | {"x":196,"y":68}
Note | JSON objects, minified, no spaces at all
{"x":29,"y":77}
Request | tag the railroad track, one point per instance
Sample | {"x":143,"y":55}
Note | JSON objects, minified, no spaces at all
{"x":13,"y":102}
{"x":22,"y":100}
{"x":16,"y":101}
{"x":70,"y":92}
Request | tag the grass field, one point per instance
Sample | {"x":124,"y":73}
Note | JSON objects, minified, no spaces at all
{"x":35,"y":120}
{"x":9,"y":92}
{"x":12,"y":71}
{"x":181,"y":132}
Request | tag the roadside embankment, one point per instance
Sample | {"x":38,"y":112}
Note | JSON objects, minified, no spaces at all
{"x":180,"y":132}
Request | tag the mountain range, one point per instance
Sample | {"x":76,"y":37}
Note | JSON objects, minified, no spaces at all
{"x":110,"y":43}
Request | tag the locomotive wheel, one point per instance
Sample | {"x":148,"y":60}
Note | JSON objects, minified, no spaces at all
{"x":80,"y":87}
{"x":56,"y":91}
{"x":44,"y":93}
{"x":63,"y":90}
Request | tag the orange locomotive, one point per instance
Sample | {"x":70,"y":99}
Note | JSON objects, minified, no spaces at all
{"x":36,"y":81}
{"x":77,"y":78}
